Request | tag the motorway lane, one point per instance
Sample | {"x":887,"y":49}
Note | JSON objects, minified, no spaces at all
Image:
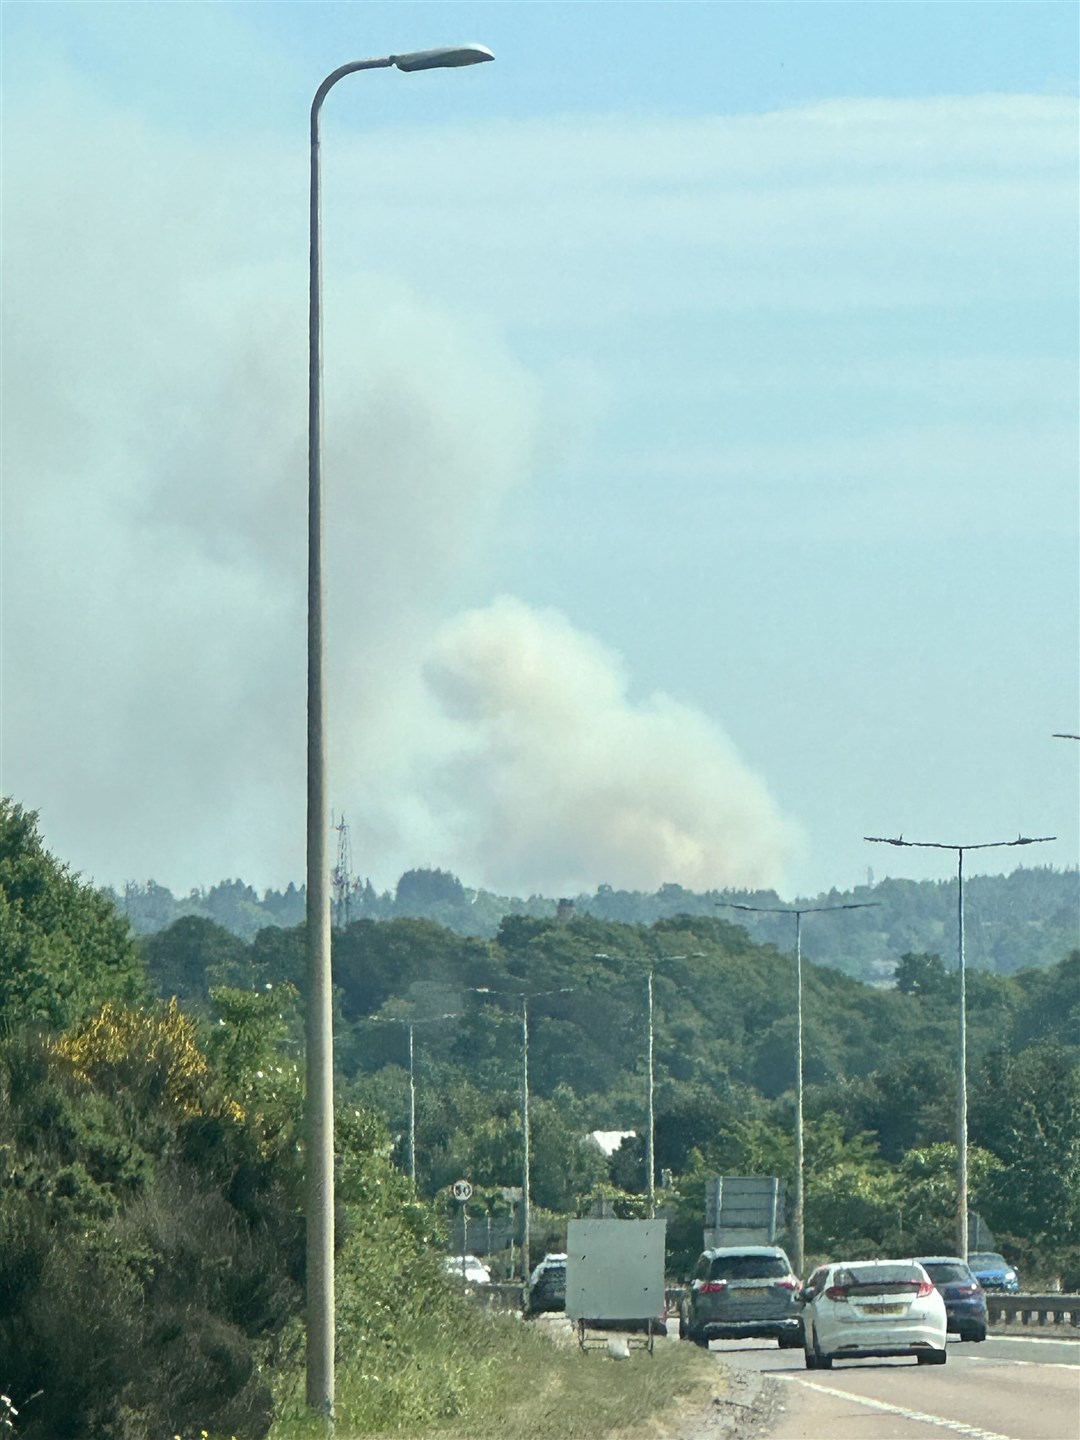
{"x":1009,"y":1388}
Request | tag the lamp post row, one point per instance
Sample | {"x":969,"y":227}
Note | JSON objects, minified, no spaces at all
{"x":650,"y":1142}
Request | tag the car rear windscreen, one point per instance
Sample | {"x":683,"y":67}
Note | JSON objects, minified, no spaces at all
{"x":877,"y":1276}
{"x":748,"y":1267}
{"x":944,"y":1273}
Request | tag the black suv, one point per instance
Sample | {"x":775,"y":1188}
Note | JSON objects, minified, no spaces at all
{"x":739,"y":1292}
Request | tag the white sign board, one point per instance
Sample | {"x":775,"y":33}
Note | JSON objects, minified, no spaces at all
{"x":615,"y":1269}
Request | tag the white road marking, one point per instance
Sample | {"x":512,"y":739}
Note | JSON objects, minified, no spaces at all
{"x":1013,"y":1364}
{"x":956,"y":1426}
{"x":1035,"y":1339}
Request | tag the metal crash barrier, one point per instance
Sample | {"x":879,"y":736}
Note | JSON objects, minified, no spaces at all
{"x":1033,"y":1309}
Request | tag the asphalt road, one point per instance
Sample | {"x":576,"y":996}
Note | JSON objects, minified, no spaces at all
{"x":1008,"y":1388}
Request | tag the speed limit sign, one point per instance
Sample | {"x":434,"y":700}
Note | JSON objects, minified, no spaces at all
{"x":462,"y":1190}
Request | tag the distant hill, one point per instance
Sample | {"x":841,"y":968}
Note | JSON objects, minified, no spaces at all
{"x":1030,"y":918}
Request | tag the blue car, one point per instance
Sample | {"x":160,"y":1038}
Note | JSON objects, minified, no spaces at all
{"x":993,"y":1271}
{"x":965,"y":1301}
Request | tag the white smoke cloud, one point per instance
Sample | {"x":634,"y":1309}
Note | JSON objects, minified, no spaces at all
{"x":562,"y":781}
{"x":154,"y":460}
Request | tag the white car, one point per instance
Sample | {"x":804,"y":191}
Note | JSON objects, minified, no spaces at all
{"x":856,"y":1308}
{"x":469,"y":1268}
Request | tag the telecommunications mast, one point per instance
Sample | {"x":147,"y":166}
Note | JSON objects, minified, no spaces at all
{"x":341,"y":877}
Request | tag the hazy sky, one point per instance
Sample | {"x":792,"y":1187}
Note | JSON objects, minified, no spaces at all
{"x":701,"y":439}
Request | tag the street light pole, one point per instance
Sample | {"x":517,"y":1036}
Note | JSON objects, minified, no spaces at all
{"x":319,"y":1093}
{"x":412,"y":1106}
{"x":961,"y":969}
{"x":650,"y":1075}
{"x":410,"y":1027}
{"x":650,"y":1134}
{"x":524,"y":997}
{"x":798,"y":1223}
{"x":526,"y":1218}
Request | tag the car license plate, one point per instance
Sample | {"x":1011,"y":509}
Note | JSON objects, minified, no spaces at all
{"x":885,"y":1309}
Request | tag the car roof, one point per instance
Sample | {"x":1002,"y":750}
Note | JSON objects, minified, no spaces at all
{"x":744,"y":1250}
{"x":939,"y":1260}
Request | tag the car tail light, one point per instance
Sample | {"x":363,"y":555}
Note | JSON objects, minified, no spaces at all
{"x":790,"y":1284}
{"x":926,"y":1287}
{"x":966,"y":1290}
{"x":836,"y":1292}
{"x":713,"y":1287}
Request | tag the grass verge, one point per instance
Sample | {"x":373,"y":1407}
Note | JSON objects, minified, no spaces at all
{"x":520,"y":1384}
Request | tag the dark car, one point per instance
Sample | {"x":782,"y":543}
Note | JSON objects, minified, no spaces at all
{"x":965,"y":1301}
{"x":993,"y":1271}
{"x":547,"y":1286}
{"x":742,"y":1291}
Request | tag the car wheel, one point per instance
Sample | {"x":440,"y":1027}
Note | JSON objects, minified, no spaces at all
{"x":811,"y":1359}
{"x":977,"y":1333}
{"x":789,"y":1342}
{"x":932,"y":1357}
{"x":821,"y":1362}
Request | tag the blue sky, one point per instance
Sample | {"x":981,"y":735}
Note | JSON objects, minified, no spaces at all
{"x":701,"y":438}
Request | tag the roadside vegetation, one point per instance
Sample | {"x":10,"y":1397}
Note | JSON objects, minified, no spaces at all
{"x":513,"y":1382}
{"x":151,"y":1162}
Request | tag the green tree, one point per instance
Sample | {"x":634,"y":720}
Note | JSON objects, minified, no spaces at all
{"x":418,"y":889}
{"x":63,"y":948}
{"x":192,"y":955}
{"x":851,"y":1193}
{"x":921,"y":975}
{"x":1027,"y":1111}
{"x":928,"y":1179}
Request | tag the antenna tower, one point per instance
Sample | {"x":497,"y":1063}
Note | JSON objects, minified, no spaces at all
{"x":341,"y":876}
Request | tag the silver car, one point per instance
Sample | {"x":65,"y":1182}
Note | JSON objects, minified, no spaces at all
{"x":742,"y":1291}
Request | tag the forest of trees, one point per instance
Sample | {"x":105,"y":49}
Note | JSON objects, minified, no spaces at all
{"x":879,"y":1069}
{"x":151,"y":1154}
{"x":1027,"y":919}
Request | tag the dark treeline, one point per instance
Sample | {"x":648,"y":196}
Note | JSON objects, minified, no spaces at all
{"x":1027,"y":919}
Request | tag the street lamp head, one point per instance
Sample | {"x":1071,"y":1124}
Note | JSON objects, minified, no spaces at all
{"x":446,"y":58}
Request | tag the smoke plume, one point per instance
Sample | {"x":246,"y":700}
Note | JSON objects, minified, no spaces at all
{"x":560,"y":779}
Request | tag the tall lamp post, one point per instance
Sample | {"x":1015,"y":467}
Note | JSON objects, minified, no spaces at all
{"x":410,"y":1027}
{"x":650,"y":1076}
{"x":525,"y":1165}
{"x":961,"y":969}
{"x":798,"y":912}
{"x":319,"y":1096}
